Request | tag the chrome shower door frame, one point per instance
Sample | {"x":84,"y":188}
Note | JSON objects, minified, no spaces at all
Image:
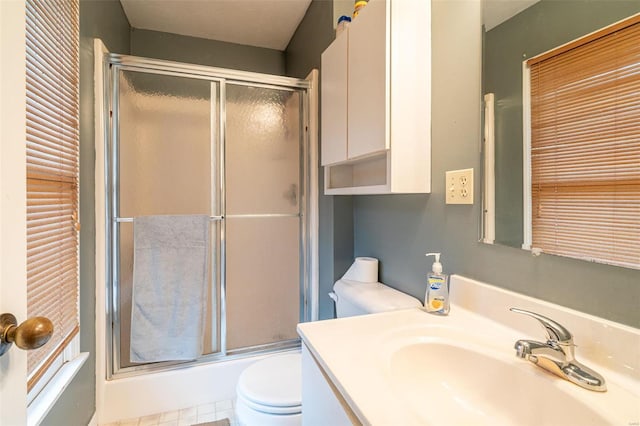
{"x":113,"y":64}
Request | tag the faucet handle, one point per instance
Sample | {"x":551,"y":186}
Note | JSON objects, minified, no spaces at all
{"x":555,"y":332}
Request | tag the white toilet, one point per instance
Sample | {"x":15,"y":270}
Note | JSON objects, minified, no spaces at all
{"x":269,"y":391}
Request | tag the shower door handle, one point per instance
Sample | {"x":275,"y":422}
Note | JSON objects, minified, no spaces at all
{"x":291,"y":194}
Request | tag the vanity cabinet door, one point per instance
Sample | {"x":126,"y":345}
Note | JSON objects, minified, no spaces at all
{"x":368,"y":81}
{"x":334,"y":100}
{"x":321,"y":404}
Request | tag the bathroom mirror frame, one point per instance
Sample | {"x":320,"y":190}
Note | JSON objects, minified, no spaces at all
{"x":538,"y":28}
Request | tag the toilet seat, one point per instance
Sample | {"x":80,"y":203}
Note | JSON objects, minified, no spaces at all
{"x":273,"y":385}
{"x":270,"y":409}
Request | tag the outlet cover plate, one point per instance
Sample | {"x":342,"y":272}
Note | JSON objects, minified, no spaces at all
{"x":459,"y":186}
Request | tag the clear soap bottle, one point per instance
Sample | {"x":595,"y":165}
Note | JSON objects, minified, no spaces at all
{"x":436,"y":300}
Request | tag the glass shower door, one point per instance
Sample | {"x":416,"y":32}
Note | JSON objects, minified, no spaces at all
{"x":263,"y":221}
{"x":167,"y":164}
{"x":185,"y":144}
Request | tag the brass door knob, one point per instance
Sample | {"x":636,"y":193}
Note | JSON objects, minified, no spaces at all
{"x":31,"y":334}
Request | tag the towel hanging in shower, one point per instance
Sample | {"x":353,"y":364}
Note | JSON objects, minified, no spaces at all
{"x":170,"y":276}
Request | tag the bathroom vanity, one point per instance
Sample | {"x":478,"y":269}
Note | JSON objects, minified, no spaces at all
{"x":409,"y":367}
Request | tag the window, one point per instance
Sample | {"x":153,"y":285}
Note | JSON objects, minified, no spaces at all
{"x":52,"y":51}
{"x":585,"y":147}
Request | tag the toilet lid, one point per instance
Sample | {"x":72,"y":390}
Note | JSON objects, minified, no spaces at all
{"x":274,"y":382}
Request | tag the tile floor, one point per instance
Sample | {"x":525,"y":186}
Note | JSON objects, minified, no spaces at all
{"x":186,"y":417}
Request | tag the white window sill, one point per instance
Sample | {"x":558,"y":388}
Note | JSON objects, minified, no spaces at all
{"x":41,"y":405}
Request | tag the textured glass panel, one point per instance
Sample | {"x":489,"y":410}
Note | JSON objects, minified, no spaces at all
{"x":212,"y":316}
{"x":125,"y":290}
{"x":164,"y":145}
{"x":166,"y":165}
{"x":263,"y":280}
{"x":262,"y":150}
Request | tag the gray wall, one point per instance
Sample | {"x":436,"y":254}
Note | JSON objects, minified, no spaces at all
{"x":103,"y":19}
{"x":541,"y":27}
{"x":312,"y":37}
{"x":193,"y":50}
{"x":400,"y":229}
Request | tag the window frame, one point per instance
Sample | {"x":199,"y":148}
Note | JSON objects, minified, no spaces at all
{"x":51,"y":375}
{"x":526,"y":165}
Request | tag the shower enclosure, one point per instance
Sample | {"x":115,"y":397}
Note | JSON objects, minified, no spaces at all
{"x":194,"y":140}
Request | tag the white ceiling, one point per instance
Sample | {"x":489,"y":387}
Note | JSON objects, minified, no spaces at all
{"x":261,"y":23}
{"x":495,"y":12}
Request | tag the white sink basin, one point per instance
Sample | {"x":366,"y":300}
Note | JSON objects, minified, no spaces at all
{"x":462,"y":385}
{"x":412,"y":368}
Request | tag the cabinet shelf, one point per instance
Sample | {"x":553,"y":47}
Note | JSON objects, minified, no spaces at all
{"x":368,"y":175}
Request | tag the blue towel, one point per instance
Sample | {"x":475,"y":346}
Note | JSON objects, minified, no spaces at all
{"x":170,"y":277}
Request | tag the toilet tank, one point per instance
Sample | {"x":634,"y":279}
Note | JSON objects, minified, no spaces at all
{"x":356,"y":298}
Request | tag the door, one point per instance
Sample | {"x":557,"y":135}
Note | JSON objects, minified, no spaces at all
{"x":232,"y":150}
{"x":264,"y":280}
{"x":166,"y":156}
{"x":368,"y":82}
{"x":13,"y":280}
{"x":334,"y":100}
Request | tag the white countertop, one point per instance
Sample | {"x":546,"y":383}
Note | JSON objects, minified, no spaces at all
{"x":355,"y":352}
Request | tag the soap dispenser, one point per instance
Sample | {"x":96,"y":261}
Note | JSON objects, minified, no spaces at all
{"x":436,"y":300}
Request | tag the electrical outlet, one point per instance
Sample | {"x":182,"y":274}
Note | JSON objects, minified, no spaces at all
{"x":459,"y":186}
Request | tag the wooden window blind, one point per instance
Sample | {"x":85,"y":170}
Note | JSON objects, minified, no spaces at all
{"x":585,"y":147}
{"x":52,"y":44}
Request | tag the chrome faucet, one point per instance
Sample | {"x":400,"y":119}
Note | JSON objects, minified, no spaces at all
{"x":557,"y":354}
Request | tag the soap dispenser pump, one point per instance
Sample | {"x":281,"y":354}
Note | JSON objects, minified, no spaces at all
{"x":436,"y":300}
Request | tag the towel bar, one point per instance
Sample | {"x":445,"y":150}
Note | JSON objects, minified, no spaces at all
{"x":230,"y":216}
{"x":130,"y":219}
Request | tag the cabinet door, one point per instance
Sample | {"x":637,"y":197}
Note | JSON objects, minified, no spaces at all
{"x":320,"y":404}
{"x":334,"y":101}
{"x":368,"y":81}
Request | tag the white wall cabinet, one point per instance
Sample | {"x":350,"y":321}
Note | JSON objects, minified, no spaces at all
{"x":376,"y":102}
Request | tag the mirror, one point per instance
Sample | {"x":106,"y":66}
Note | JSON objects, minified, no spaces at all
{"x":516,"y":30}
